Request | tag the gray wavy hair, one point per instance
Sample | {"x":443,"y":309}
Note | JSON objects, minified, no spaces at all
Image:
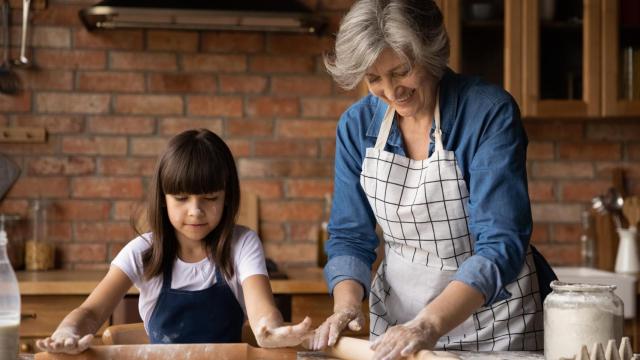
{"x":412,"y":28}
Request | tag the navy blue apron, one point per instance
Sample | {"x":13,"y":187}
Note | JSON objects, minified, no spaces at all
{"x":211,"y":315}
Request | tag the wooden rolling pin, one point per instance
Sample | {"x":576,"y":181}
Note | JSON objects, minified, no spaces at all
{"x":349,"y":348}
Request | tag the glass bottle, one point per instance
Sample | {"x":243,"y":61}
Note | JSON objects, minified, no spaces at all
{"x":580,"y":314}
{"x":9,"y":302}
{"x":39,"y":253}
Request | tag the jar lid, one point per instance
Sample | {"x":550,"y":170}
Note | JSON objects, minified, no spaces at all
{"x":580,"y":287}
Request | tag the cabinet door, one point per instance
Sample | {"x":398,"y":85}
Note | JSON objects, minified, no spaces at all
{"x":621,"y":57}
{"x":486,"y":41}
{"x":561,"y":57}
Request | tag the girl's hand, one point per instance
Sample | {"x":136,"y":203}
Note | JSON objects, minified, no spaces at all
{"x":65,"y":340}
{"x":327,"y":333}
{"x":403,"y":340}
{"x":271,"y":335}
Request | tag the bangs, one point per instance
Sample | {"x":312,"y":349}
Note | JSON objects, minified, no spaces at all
{"x":196,"y":169}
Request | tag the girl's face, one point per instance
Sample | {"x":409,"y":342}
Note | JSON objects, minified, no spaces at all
{"x":194,"y":216}
{"x":410,"y":90}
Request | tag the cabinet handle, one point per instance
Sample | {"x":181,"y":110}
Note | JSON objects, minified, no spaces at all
{"x":25,"y":347}
{"x":28,"y":316}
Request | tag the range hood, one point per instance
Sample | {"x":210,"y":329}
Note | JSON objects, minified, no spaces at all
{"x":247,"y":15}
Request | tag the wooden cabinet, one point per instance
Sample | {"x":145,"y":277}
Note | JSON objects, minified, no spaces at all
{"x":558,"y":58}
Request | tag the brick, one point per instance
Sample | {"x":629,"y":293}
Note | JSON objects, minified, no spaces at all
{"x":281,"y":64}
{"x":127,"y":166}
{"x":563,"y":170}
{"x":149,"y":104}
{"x":90,"y":266}
{"x":239,"y":147}
{"x":72,"y":253}
{"x":99,"y":231}
{"x":541,"y":191}
{"x":336,"y":5}
{"x":48,"y":148}
{"x":173,"y":126}
{"x":20,"y":102}
{"x":561,"y":255}
{"x":633,"y":152}
{"x":540,"y":130}
{"x":111,"y":40}
{"x":355,"y":93}
{"x":304,"y":232}
{"x":72,"y":103}
{"x":153,"y":146}
{"x":298,"y":44}
{"x":72,"y":165}
{"x":540,"y":234}
{"x":55,"y":124}
{"x":78,"y":210}
{"x":57,"y":59}
{"x":61,"y":14}
{"x":301,"y":85}
{"x":583,"y":190}
{"x":172,"y":40}
{"x":567,"y":233}
{"x":34,"y":187}
{"x":14,"y":206}
{"x":244,"y":84}
{"x":307,"y":129}
{"x":121,"y":125}
{"x":328,"y":149}
{"x":46,"y":79}
{"x":309,"y":188}
{"x":125,"y":209}
{"x":59,"y":231}
{"x":590,"y":151}
{"x":556,"y":213}
{"x":182,"y":83}
{"x":253,"y":168}
{"x":50,"y":37}
{"x":109,"y":188}
{"x":272,"y":232}
{"x":228,"y":42}
{"x":265,"y":189}
{"x":291,"y":253}
{"x":540,"y":151}
{"x":614,"y":131}
{"x":142,"y":61}
{"x":107,"y":81}
{"x":250,"y":127}
{"x":272,"y":106}
{"x":214,"y":105}
{"x":605,"y":169}
{"x":95,"y":145}
{"x":215,"y":63}
{"x":285,"y":148}
{"x":325,"y":107}
{"x":114,"y":249}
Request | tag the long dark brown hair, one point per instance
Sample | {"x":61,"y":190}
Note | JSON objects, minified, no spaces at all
{"x":194,"y":162}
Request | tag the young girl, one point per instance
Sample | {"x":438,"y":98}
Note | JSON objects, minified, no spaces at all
{"x":197,"y":271}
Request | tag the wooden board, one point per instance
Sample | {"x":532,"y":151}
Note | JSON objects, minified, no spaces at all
{"x":175,"y":352}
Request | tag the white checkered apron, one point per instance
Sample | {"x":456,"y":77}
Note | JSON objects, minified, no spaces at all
{"x":422,"y":208}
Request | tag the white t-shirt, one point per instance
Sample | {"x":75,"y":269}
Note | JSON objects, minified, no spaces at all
{"x":248,"y":260}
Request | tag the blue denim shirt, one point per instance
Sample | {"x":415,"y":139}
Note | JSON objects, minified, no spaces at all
{"x":481,"y":124}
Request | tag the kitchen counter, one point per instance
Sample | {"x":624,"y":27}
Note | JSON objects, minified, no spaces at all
{"x":306,"y":280}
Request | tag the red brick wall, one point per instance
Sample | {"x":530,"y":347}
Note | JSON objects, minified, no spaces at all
{"x":110,"y":100}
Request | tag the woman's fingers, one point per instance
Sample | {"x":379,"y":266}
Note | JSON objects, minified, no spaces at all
{"x":85,"y":342}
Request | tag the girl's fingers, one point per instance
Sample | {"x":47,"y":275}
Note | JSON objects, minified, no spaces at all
{"x":85,"y":342}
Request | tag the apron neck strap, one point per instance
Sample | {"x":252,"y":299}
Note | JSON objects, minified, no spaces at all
{"x":385,"y":127}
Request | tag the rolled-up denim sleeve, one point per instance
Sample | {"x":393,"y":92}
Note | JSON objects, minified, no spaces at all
{"x":352,"y":238}
{"x":499,"y":205}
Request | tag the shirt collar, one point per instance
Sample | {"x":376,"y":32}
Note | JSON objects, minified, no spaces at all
{"x":448,"y":106}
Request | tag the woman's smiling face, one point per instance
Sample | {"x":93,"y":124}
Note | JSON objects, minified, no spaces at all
{"x":406,"y":88}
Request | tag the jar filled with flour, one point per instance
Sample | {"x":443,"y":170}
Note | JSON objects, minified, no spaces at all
{"x":580,"y":314}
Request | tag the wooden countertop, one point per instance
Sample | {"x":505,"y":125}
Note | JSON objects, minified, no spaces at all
{"x":73,"y":282}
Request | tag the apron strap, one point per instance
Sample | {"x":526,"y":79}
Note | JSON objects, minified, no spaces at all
{"x":385,"y":127}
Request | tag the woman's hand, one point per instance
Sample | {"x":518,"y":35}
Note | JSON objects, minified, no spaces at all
{"x":271,"y":335}
{"x":65,"y":340}
{"x":404,"y":340}
{"x":327,"y":334}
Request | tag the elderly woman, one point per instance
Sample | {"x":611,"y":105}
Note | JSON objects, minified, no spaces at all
{"x":438,"y":161}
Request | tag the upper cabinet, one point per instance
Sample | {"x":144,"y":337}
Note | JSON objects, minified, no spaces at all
{"x":558,"y":58}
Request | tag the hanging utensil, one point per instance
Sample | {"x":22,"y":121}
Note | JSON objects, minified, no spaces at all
{"x":610,"y":203}
{"x":631,"y":210}
{"x":9,"y":82}
{"x":23,"y":61}
{"x":9,"y":172}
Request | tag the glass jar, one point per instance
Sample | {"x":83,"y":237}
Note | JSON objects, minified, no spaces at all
{"x":39,"y":253}
{"x":580,"y":314}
